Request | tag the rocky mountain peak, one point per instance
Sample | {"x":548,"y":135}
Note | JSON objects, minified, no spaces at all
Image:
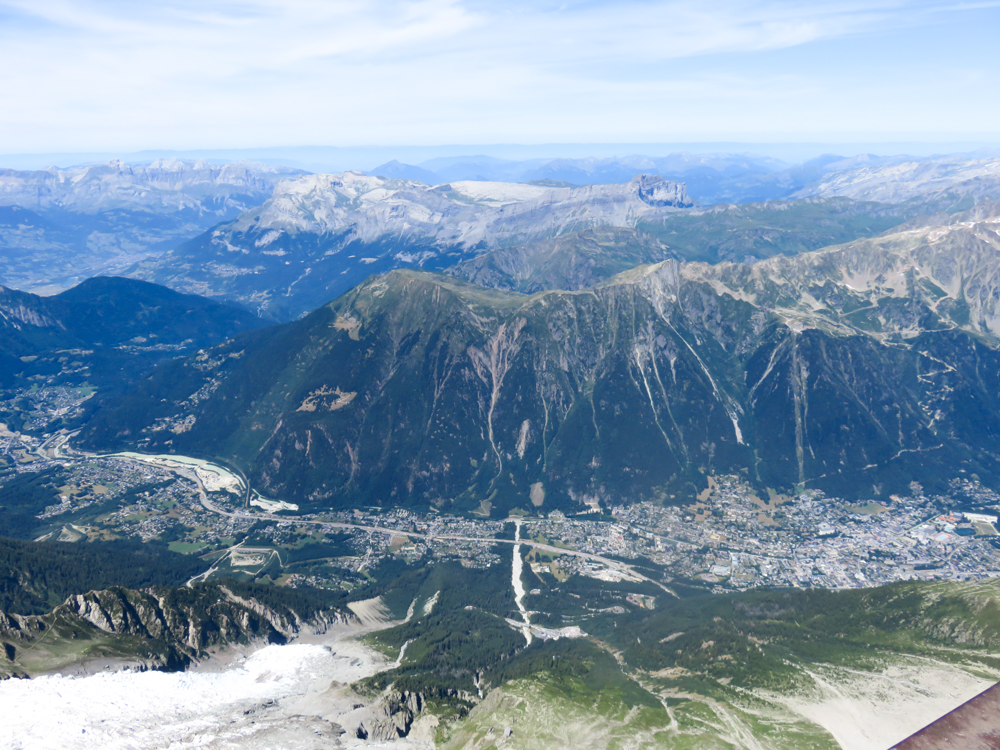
{"x":654,"y":190}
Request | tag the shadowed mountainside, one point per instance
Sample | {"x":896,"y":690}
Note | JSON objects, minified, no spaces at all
{"x":108,"y":318}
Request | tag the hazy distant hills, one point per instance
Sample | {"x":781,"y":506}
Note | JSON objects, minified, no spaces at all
{"x":856,"y":369}
{"x":898,"y":179}
{"x":166,"y":185}
{"x":713,"y":178}
{"x":319,"y":235}
{"x":733,"y":178}
{"x":58,"y":226}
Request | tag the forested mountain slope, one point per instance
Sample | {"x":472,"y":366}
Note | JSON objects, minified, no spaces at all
{"x":104,"y":333}
{"x":856,"y":369}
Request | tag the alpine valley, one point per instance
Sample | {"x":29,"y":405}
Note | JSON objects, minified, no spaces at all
{"x":360,"y":460}
{"x":855,"y":370}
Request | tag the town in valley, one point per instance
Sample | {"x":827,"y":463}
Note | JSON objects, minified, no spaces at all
{"x":728,"y":538}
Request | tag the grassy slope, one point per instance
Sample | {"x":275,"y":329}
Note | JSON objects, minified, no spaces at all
{"x":754,"y":670}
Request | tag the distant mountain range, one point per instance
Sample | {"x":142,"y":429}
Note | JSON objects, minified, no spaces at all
{"x":856,"y":369}
{"x":745,"y":233}
{"x":728,"y":178}
{"x":714,"y":178}
{"x":59,"y":226}
{"x":902,"y":178}
{"x":320,"y":235}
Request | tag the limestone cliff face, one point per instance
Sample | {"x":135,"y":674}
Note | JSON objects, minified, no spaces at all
{"x":21,"y":626}
{"x":19,"y":311}
{"x":467,"y":214}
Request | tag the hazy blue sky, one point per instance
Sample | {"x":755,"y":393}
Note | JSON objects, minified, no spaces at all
{"x":85,"y":75}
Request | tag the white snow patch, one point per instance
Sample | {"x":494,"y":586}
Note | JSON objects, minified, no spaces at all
{"x":497,"y":192}
{"x":225,"y":709}
{"x":268,"y":238}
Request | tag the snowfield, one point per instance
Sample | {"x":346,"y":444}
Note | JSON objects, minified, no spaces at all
{"x":498,"y":193}
{"x":290,"y":696}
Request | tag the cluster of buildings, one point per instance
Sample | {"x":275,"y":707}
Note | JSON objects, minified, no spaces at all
{"x":733,"y":540}
{"x":40,"y":406}
{"x":728,"y":538}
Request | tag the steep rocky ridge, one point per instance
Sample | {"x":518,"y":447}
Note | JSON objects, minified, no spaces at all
{"x":856,"y":370}
{"x":942,"y":274}
{"x":155,"y":627}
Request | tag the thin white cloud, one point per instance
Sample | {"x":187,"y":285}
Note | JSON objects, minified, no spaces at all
{"x":101,"y":74}
{"x":282,"y":33}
